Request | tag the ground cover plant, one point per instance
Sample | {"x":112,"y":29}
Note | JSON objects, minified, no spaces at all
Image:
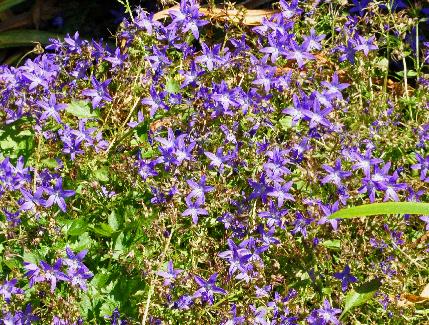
{"x":187,"y":176}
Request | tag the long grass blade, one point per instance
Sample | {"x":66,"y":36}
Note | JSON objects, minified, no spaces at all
{"x":382,"y":208}
{"x":24,"y":37}
{"x":7,"y":4}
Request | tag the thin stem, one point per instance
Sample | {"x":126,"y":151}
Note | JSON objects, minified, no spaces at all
{"x":404,"y":62}
{"x":152,"y":284}
{"x":417,"y":49}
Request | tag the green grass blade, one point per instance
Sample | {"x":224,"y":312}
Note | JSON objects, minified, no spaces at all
{"x":382,"y":208}
{"x":24,"y":37}
{"x":6,"y":4}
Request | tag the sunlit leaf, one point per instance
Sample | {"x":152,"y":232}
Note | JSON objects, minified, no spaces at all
{"x":360,"y":295}
{"x":418,"y":208}
{"x":7,"y":4}
{"x":24,"y":37}
{"x":82,"y":109}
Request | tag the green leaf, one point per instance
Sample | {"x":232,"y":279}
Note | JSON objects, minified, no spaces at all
{"x":103,"y":229}
{"x":84,"y":241}
{"x":31,"y":257}
{"x":78,"y":227}
{"x":113,"y":221}
{"x":100,"y":280}
{"x":382,"y":208}
{"x":82,"y":109}
{"x":49,"y":162}
{"x":286,"y":122}
{"x":7,"y":4}
{"x":332,"y":244}
{"x":118,"y":249}
{"x":24,"y":37}
{"x":12,"y":264}
{"x":382,"y":64}
{"x":360,"y":295}
{"x":15,"y":142}
{"x":102,"y":174}
{"x":172,"y":86}
{"x":410,"y":73}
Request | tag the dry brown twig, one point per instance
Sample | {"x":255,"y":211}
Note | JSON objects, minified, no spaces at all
{"x":244,"y":16}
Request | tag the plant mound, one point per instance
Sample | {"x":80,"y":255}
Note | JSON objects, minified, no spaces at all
{"x":188,"y":175}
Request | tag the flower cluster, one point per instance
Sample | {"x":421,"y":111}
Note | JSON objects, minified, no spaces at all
{"x":224,"y":158}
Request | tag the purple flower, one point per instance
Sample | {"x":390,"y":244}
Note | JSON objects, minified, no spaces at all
{"x":236,"y":256}
{"x":365,"y":45}
{"x":115,"y":318}
{"x":117,"y":60}
{"x":334,"y":88}
{"x":46,"y":273}
{"x":170,"y":275}
{"x":146,"y":22}
{"x":184,"y":302}
{"x":188,"y":18}
{"x":359,"y":7}
{"x":155,"y":101}
{"x":324,"y":315}
{"x":336,"y":174}
{"x":77,"y":272}
{"x":73,"y":43}
{"x":274,"y":216}
{"x":207,"y":288}
{"x":74,"y":262}
{"x":51,"y":108}
{"x":364,"y":162}
{"x":199,"y":189}
{"x":24,"y":317}
{"x":265,"y":76}
{"x":327,"y":211}
{"x":423,"y":166}
{"x":32,"y":201}
{"x":260,"y":189}
{"x":8,"y":288}
{"x":298,"y":53}
{"x":345,"y":277}
{"x":210,"y":57}
{"x":281,"y":192}
{"x":425,"y":219}
{"x":57,"y":195}
{"x":300,"y":224}
{"x":217,"y":160}
{"x":194,"y":210}
{"x":317,"y":116}
{"x":312,"y":42}
{"x":234,"y":320}
{"x":98,"y":93}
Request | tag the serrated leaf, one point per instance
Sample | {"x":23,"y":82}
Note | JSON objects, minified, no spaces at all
{"x":382,"y":64}
{"x":360,"y":295}
{"x":49,"y":162}
{"x":113,"y":221}
{"x":102,"y":174}
{"x":332,"y":244}
{"x":82,"y":109}
{"x":286,"y":122}
{"x":365,"y":210}
{"x":30,"y":257}
{"x":12,"y":264}
{"x":84,"y":242}
{"x":100,"y":280}
{"x":172,"y":86}
{"x":77,"y":227}
{"x":118,"y":249}
{"x":103,"y":229}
